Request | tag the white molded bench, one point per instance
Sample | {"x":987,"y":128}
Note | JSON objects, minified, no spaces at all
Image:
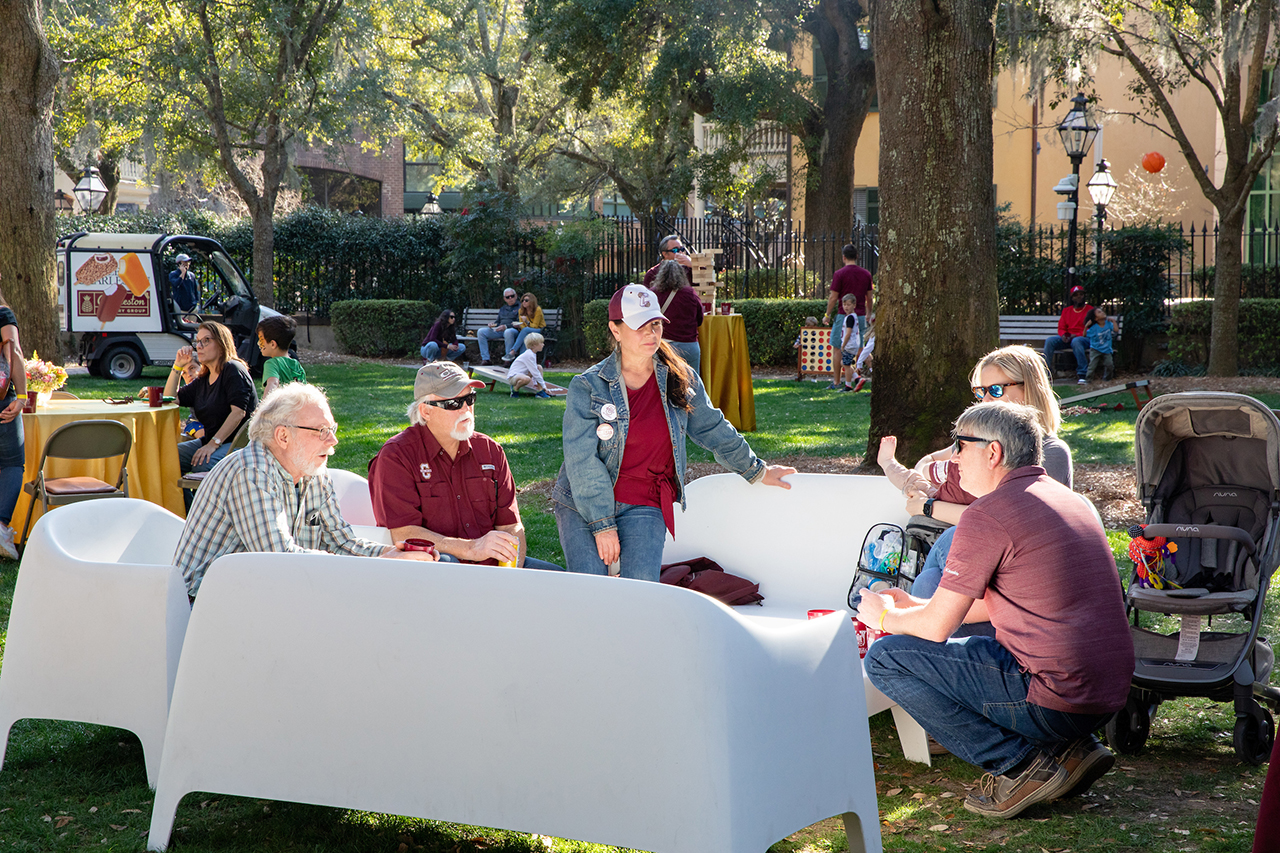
{"x":800,"y":545}
{"x":593,"y":708}
{"x":98,"y":619}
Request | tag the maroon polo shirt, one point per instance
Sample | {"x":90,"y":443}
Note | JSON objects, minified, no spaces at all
{"x":1042,"y":560}
{"x":414,"y":482}
{"x":852,"y":278}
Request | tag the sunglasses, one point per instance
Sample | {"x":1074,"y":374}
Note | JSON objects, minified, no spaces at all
{"x":509,"y":296}
{"x":455,"y":403}
{"x":326,"y":432}
{"x":995,"y":391}
{"x":961,"y":439}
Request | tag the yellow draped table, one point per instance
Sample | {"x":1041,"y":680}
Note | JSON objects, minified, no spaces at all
{"x":726,"y":368}
{"x":153,"y":460}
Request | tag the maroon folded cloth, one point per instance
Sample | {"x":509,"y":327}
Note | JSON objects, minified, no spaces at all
{"x":1266,"y":838}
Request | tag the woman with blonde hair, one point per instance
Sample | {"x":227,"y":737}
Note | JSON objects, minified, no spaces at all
{"x":528,"y":321}
{"x":1013,"y":374}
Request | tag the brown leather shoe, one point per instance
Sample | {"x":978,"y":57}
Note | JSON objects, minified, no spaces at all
{"x":1086,"y":761}
{"x":1000,"y":796}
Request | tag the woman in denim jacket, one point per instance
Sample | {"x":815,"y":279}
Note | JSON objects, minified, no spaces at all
{"x":624,"y":446}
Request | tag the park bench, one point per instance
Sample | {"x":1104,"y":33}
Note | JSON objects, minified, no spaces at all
{"x":474,"y":319}
{"x":1033,"y":329}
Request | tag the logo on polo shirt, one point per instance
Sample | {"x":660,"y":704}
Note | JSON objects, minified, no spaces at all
{"x":426,"y":471}
{"x":488,"y":468}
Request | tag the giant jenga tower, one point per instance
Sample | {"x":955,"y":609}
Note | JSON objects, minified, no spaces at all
{"x":704,"y":275}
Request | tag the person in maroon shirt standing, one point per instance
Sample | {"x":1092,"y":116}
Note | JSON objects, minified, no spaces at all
{"x":851,"y":279}
{"x":1030,"y":557}
{"x":443,"y":481}
{"x":680,"y":303}
{"x":1071,"y":334}
{"x":670,"y":248}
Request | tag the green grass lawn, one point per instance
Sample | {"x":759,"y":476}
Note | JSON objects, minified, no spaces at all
{"x":67,"y":786}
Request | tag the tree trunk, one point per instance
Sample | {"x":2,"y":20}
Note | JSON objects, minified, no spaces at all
{"x":1224,"y":342}
{"x":28,"y":74}
{"x":936,"y":285}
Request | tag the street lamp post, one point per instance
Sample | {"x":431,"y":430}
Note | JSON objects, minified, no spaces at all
{"x":90,"y":190}
{"x":1101,"y":187}
{"x":1077,"y":132}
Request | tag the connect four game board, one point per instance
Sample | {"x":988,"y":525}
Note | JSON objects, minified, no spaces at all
{"x":815,"y":354}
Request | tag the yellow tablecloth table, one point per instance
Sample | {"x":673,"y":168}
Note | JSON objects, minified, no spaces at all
{"x":726,"y":368}
{"x":153,"y":460}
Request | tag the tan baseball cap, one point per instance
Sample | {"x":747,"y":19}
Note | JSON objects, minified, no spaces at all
{"x":443,"y":379}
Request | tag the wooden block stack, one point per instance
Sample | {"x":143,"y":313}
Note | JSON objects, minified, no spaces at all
{"x":704,"y":277}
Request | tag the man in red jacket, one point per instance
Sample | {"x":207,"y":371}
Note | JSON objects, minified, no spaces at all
{"x":1071,"y":334}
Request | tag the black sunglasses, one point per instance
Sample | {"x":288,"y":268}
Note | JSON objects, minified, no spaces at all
{"x":961,"y":439}
{"x":452,"y":405}
{"x":996,"y":390}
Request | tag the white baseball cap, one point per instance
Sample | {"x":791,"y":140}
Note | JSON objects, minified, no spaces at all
{"x":635,"y":305}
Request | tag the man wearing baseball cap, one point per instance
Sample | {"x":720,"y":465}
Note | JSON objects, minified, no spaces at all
{"x":443,"y":481}
{"x":182,"y":284}
{"x":1071,"y":334}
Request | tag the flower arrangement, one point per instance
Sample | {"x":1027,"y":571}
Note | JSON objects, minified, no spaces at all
{"x":44,"y":376}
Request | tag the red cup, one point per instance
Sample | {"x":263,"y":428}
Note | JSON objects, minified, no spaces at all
{"x":155,"y":395}
{"x":706,"y":307}
{"x":726,"y":308}
{"x":866,"y":636}
{"x":814,"y":614}
{"x":30,"y":405}
{"x":420,"y":545}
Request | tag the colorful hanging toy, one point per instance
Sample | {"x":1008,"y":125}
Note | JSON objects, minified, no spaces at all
{"x":1149,"y":555}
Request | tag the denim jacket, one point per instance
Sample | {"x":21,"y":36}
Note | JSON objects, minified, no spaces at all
{"x":590,"y":470}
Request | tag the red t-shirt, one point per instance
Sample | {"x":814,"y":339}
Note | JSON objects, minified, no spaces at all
{"x":852,"y":278}
{"x":946,"y":477}
{"x":647,"y":476}
{"x":1041,"y":558}
{"x":1072,"y":320}
{"x":413,"y":481}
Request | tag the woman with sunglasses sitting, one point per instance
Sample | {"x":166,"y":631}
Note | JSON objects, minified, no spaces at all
{"x":1013,"y":374}
{"x":626,"y":423}
{"x":442,"y":338}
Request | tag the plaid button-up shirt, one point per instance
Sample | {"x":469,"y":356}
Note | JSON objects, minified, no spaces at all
{"x":249,"y":503}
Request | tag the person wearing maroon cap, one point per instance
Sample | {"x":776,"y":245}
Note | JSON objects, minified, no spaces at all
{"x":441,"y":480}
{"x":625,"y":425}
{"x":1071,"y":334}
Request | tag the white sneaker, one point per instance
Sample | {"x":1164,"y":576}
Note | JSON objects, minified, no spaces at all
{"x":1082,"y":381}
{"x":7,"y":548}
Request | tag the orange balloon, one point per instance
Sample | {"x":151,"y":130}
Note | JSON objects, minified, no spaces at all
{"x":1153,"y":162}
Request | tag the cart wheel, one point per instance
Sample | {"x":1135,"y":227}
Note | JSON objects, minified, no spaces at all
{"x":1128,"y":730}
{"x":1253,"y":740}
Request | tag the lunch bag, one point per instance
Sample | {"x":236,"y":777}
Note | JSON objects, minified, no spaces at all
{"x":705,"y":576}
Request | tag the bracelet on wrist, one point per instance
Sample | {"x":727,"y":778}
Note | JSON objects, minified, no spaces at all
{"x":883,"y":613}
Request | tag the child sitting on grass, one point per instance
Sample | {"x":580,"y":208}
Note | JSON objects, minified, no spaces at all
{"x":274,"y":336}
{"x":524,"y":371}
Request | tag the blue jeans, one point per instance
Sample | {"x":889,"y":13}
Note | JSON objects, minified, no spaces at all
{"x":529,"y":563}
{"x":483,"y":337}
{"x":515,"y":339}
{"x":971,"y":696}
{"x":187,"y":449}
{"x":926,"y":582}
{"x":13,"y":460}
{"x":431,"y":350}
{"x":641,"y":533}
{"x":690,"y":352}
{"x":1079,"y":346}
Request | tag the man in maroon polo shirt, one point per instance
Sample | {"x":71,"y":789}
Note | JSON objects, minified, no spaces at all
{"x":443,"y":481}
{"x":1030,"y":556}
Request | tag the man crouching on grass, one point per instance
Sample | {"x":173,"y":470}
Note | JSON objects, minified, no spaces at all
{"x":275,"y":494}
{"x":1030,"y":557}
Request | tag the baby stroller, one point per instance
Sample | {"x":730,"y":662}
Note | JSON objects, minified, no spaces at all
{"x":1208,"y":475}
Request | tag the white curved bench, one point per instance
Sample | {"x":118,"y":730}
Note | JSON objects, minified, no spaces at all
{"x":98,"y":619}
{"x":584,"y":707}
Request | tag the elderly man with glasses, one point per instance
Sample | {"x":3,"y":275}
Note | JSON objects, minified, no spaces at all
{"x":507,"y":314}
{"x":670,"y":248}
{"x":1030,"y":557}
{"x":275,"y":495}
{"x":443,"y":481}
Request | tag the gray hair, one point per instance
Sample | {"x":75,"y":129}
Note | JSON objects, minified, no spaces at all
{"x":669,"y":277}
{"x":1015,"y":426}
{"x":415,"y":408}
{"x":282,"y":409}
{"x":662,"y":244}
{"x":511,"y":291}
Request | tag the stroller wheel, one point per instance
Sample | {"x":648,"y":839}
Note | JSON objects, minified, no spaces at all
{"x":1253,"y":739}
{"x":1128,"y":730}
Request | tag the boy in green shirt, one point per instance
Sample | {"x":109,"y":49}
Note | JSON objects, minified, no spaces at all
{"x":274,"y":336}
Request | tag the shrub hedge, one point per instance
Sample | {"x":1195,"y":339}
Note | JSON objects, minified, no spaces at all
{"x":771,"y":324}
{"x":769,"y":283}
{"x":1192,"y":321}
{"x":382,"y":327}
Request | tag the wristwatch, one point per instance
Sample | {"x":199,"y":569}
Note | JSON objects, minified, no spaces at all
{"x":217,"y":442}
{"x":928,"y":508}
